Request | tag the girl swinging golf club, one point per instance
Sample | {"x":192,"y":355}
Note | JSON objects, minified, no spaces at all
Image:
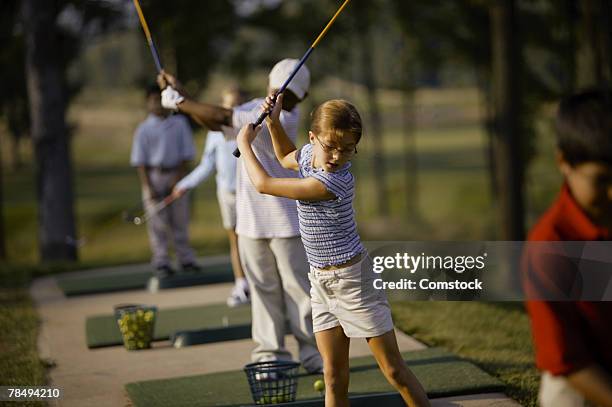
{"x":345,"y":304}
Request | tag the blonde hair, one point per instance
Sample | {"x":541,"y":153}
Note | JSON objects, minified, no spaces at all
{"x":235,"y":92}
{"x":337,"y":118}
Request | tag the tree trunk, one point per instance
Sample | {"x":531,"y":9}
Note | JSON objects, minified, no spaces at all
{"x":378,"y":167}
{"x":606,"y":39}
{"x":16,"y":123}
{"x":483,"y":79}
{"x":506,"y":95}
{"x":592,"y":70}
{"x":16,"y":162}
{"x":46,"y":93}
{"x":409,"y":118}
{"x":571,"y":46}
{"x":2,"y":239}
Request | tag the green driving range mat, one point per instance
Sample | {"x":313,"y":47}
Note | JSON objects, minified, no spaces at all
{"x":218,"y":320}
{"x":138,"y":279}
{"x":441,"y":373}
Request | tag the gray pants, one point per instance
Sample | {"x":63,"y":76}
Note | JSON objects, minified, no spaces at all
{"x":277,"y":271}
{"x":170,"y":224}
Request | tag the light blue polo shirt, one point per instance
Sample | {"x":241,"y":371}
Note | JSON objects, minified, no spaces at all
{"x":162,"y":142}
{"x":217,"y":156}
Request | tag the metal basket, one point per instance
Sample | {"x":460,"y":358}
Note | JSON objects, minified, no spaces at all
{"x":272,"y":382}
{"x":136,"y":324}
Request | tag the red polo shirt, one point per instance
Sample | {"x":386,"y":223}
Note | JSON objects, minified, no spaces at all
{"x":570,"y":335}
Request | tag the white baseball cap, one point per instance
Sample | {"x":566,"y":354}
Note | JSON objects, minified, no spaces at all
{"x":281,"y":71}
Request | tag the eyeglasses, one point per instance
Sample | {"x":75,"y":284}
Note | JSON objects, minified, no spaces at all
{"x":329,"y":149}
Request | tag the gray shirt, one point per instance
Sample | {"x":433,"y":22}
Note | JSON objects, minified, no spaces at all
{"x":162,"y":142}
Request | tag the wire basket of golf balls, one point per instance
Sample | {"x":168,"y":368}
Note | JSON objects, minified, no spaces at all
{"x":136,"y":324}
{"x":273,"y":381}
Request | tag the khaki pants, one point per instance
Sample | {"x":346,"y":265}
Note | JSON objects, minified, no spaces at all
{"x":277,"y":271}
{"x":556,"y":391}
{"x":170,"y":224}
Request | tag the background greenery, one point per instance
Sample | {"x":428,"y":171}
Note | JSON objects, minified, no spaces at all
{"x":422,"y":67}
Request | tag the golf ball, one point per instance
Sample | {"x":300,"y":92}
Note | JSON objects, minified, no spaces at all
{"x":137,"y":328}
{"x":137,"y":221}
{"x":283,"y":399}
{"x":319,"y":385}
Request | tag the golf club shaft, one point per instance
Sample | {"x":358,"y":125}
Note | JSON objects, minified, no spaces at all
{"x":145,"y":28}
{"x":158,"y":207}
{"x":263,"y":115}
{"x":154,"y":210}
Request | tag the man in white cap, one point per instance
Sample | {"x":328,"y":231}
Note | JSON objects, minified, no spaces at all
{"x":269,"y":241}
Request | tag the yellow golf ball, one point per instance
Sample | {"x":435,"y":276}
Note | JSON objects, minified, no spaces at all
{"x":319,"y":385}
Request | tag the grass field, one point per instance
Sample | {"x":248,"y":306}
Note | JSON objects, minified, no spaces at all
{"x":494,"y":336}
{"x":452,"y":202}
{"x":19,"y":361}
{"x":452,"y":197}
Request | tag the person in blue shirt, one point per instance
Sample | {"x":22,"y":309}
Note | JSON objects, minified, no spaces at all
{"x":217,"y":156}
{"x":161,"y":149}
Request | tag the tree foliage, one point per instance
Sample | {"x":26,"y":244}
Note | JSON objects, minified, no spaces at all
{"x":191,"y":35}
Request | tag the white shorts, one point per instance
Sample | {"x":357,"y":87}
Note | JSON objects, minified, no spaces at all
{"x":346,"y":297}
{"x":227,"y":205}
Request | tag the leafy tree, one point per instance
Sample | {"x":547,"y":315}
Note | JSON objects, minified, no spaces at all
{"x":13,"y":99}
{"x":191,"y":35}
{"x":13,"y":102}
{"x":543,"y":61}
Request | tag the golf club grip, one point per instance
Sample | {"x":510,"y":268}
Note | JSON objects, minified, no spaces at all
{"x":145,"y":28}
{"x":259,"y":120}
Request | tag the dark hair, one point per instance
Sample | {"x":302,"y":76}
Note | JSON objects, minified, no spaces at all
{"x":152,"y":89}
{"x":584,"y":127}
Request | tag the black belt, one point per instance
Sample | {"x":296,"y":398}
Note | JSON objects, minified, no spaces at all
{"x":162,"y":169}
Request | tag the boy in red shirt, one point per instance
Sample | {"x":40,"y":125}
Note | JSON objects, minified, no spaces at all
{"x":573,"y":339}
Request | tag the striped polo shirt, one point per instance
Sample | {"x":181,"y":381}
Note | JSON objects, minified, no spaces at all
{"x":328,"y":228}
{"x":260,"y":216}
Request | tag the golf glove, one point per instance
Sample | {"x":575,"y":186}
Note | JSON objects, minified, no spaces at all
{"x":170,"y":98}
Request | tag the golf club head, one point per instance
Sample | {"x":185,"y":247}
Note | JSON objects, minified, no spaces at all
{"x":129,"y":216}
